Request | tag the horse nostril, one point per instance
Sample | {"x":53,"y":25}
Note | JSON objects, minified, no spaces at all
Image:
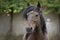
{"x":31,"y":28}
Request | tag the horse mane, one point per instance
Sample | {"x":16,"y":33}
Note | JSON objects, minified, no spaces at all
{"x":31,"y":8}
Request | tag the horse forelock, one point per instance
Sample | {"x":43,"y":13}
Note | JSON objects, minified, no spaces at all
{"x":28,"y":9}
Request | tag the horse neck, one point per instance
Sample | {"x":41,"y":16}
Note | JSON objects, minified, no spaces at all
{"x":38,"y":34}
{"x":38,"y":29}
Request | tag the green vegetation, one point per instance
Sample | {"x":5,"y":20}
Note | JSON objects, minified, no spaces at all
{"x":19,"y":5}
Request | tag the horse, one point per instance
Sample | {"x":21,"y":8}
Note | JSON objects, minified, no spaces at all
{"x":36,"y":29}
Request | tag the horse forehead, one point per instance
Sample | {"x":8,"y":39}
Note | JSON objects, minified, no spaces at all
{"x":32,"y":13}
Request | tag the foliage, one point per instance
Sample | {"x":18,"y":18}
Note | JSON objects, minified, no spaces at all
{"x":53,"y":6}
{"x":19,"y":5}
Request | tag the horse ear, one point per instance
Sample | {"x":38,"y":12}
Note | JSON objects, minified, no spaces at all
{"x":38,"y":5}
{"x":28,"y":4}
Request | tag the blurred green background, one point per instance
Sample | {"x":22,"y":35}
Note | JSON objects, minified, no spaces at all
{"x":19,"y":5}
{"x":14,"y":7}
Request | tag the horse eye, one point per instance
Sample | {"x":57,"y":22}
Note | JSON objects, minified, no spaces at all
{"x":36,"y":15}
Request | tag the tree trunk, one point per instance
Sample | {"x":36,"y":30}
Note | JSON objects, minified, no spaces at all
{"x":9,"y":33}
